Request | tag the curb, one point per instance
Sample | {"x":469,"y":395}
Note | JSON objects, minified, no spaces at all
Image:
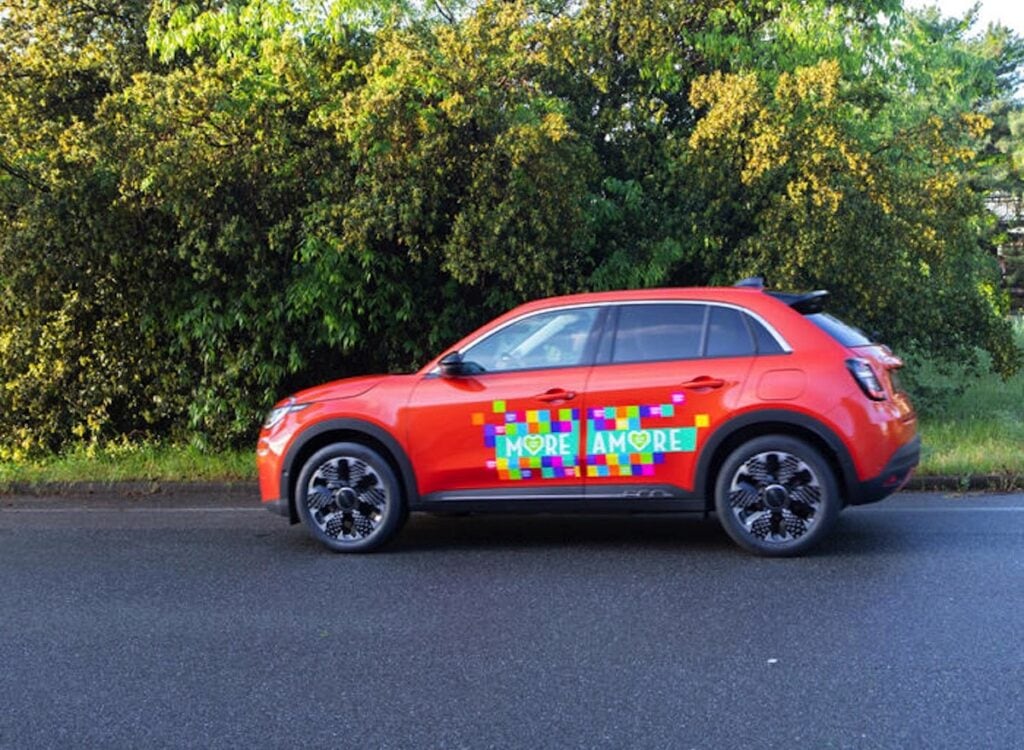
{"x":966,"y":483}
{"x":250,"y":490}
{"x":134,"y":489}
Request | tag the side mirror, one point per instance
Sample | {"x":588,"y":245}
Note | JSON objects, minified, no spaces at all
{"x":454,"y":366}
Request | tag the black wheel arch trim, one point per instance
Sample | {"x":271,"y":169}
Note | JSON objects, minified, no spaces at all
{"x":350,"y":425}
{"x":847,"y":480}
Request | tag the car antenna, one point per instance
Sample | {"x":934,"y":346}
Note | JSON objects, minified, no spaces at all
{"x":754,"y":282}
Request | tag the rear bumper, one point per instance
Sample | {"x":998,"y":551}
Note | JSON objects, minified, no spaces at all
{"x":892,"y":478}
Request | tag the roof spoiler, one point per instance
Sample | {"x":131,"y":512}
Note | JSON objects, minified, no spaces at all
{"x":807,"y":303}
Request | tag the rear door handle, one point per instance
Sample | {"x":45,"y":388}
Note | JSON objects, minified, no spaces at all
{"x":556,"y":394}
{"x":703,"y":382}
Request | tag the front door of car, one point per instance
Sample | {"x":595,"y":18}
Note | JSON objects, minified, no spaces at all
{"x":668,"y":375}
{"x":511,"y":429}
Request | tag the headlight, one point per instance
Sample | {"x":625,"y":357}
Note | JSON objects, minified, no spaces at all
{"x":276,"y":414}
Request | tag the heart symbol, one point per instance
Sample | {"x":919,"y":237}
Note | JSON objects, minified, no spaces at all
{"x":639,"y":440}
{"x":533,"y":443}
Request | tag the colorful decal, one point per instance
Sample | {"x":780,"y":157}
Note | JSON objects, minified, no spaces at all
{"x":622,"y":441}
{"x":631,"y":441}
{"x":537,"y":443}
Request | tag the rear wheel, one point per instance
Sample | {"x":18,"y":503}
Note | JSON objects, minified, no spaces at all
{"x":349,"y":499}
{"x":776,"y":496}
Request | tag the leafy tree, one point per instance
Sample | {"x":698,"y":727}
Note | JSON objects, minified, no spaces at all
{"x":206,"y":204}
{"x":76,"y":342}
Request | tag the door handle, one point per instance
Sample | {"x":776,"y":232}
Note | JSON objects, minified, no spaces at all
{"x":703,"y":383}
{"x":556,"y":394}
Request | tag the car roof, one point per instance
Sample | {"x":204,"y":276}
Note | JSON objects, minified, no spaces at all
{"x":701,"y":293}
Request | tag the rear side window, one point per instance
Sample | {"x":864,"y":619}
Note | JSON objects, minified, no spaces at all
{"x":842,"y":332}
{"x":648,"y":333}
{"x":766,"y":343}
{"x":728,"y":335}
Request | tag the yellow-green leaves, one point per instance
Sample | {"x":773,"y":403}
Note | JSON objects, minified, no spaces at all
{"x":207,"y":203}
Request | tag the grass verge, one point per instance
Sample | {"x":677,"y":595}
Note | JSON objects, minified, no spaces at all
{"x":979,"y":431}
{"x":146,"y":462}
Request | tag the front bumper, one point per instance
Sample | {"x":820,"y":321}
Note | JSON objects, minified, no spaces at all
{"x":892,"y":478}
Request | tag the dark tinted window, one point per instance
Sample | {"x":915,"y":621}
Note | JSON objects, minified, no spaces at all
{"x":648,"y":333}
{"x":842,"y":332}
{"x":728,"y":335}
{"x":766,"y":343}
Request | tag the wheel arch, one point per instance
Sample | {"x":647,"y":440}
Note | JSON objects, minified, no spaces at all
{"x":751,"y":425}
{"x":332,"y":431}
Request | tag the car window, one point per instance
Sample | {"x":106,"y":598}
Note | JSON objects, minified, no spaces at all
{"x":648,"y":333}
{"x":728,"y":335}
{"x":766,"y":343}
{"x":844,"y":333}
{"x":557,"y":338}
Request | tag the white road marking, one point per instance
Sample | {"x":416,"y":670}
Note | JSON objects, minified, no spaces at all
{"x":871,"y":508}
{"x":998,"y":509}
{"x":133,"y":510}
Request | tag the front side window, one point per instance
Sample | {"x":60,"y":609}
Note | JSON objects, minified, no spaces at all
{"x":557,"y":338}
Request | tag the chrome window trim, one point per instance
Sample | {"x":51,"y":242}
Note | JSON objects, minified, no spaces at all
{"x":786,"y":348}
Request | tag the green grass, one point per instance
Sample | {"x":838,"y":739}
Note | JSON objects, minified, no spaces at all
{"x":979,"y":431}
{"x":146,"y":462}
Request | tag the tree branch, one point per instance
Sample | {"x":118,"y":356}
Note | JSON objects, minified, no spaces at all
{"x":22,"y":175}
{"x":446,"y":14}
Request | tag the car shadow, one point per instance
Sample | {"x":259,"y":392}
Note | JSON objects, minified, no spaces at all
{"x":425,"y":532}
{"x":854,"y":535}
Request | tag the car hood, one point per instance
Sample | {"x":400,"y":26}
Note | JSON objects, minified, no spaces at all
{"x":345,"y":388}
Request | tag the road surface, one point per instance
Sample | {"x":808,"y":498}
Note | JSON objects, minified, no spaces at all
{"x":200,"y":622}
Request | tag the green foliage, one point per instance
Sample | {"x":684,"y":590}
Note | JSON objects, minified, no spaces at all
{"x":126,"y":461}
{"x":204,"y":205}
{"x":976,"y":425}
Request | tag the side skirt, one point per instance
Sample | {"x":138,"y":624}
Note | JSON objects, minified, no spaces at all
{"x":645,"y":498}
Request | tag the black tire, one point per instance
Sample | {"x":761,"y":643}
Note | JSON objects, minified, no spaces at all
{"x":349,"y":498}
{"x":776,"y":496}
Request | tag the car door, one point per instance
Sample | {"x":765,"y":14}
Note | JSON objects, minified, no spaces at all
{"x":668,"y":374}
{"x":513,"y":428}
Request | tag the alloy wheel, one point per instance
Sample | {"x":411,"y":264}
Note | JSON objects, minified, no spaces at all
{"x":347,"y":499}
{"x":776,"y":497}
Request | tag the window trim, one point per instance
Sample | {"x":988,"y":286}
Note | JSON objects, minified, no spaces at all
{"x":607,"y":324}
{"x":589,"y":350}
{"x":606,"y":359}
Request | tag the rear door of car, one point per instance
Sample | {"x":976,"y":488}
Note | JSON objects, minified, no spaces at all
{"x":666,"y":373}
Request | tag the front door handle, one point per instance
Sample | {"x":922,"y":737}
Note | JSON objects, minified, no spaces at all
{"x":556,"y":394}
{"x":703,"y":383}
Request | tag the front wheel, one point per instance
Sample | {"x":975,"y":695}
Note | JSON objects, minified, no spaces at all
{"x":776,"y":496}
{"x":349,"y":499}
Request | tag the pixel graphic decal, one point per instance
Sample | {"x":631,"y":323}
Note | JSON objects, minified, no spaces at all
{"x":532,"y":444}
{"x":621,"y":441}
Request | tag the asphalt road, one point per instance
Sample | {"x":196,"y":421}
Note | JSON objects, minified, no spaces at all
{"x":129,"y":627}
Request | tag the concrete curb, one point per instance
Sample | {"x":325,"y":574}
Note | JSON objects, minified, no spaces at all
{"x":235,"y":492}
{"x":967,"y":483}
{"x":139,"y":490}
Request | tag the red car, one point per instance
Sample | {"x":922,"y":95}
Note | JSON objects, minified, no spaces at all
{"x":756,"y":405}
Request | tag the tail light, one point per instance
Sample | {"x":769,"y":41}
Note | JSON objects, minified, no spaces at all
{"x":865,"y":376}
